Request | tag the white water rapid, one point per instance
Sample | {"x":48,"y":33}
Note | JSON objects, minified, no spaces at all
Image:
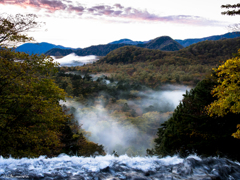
{"x":109,"y":167}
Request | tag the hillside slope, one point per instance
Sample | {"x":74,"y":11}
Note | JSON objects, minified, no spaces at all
{"x":131,"y":54}
{"x":206,"y":52}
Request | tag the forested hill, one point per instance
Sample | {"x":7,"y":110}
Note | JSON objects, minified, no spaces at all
{"x":211,"y":52}
{"x":206,"y":52}
{"x":100,"y":50}
{"x":164,"y":43}
{"x":131,"y":54}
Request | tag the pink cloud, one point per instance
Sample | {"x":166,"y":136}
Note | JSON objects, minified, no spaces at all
{"x":108,"y":12}
{"x":50,"y":5}
{"x":117,"y":10}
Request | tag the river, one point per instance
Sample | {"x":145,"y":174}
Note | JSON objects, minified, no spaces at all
{"x":119,"y":168}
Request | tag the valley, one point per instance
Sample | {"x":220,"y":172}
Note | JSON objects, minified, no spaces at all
{"x":129,"y":104}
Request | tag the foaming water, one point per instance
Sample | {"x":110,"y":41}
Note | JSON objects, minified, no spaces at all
{"x":123,"y":167}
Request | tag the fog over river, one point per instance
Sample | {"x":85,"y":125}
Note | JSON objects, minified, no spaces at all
{"x":74,"y":60}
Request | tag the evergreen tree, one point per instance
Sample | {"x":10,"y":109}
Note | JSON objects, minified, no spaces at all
{"x":191,"y":130}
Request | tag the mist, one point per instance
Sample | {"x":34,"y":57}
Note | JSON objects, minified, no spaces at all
{"x":74,"y":60}
{"x":166,"y":99}
{"x":122,"y":125}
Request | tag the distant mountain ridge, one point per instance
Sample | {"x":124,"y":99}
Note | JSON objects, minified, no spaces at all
{"x":38,"y":48}
{"x":205,"y":52}
{"x":128,"y":41}
{"x":188,"y":42}
{"x":99,"y":50}
{"x":185,"y":42}
{"x":164,"y":43}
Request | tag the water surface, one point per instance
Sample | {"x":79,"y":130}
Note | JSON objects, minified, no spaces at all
{"x":119,"y":168}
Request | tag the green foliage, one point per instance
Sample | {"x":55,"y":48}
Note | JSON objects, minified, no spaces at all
{"x":130,"y":54}
{"x":75,"y":143}
{"x":30,"y":115}
{"x":190,"y":130}
{"x":32,"y":122}
{"x":210,"y":52}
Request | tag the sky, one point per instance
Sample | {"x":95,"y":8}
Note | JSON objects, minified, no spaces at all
{"x":82,"y":23}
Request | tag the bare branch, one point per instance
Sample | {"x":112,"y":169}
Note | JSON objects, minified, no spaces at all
{"x":231,"y":13}
{"x":231,"y":6}
{"x":13,"y":27}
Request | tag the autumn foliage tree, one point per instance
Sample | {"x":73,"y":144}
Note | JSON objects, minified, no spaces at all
{"x":227,"y":91}
{"x":30,"y":116}
{"x":32,"y":122}
{"x":192,"y":131}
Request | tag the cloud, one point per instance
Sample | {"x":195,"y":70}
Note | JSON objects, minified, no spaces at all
{"x":50,"y":5}
{"x":118,"y":6}
{"x":101,"y":7}
{"x":76,"y":8}
{"x":115,"y":12}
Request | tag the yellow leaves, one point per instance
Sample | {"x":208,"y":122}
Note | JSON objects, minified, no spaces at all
{"x":152,"y":116}
{"x":228,"y":90}
{"x":237,"y":134}
{"x":134,"y":92}
{"x":121,"y":101}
